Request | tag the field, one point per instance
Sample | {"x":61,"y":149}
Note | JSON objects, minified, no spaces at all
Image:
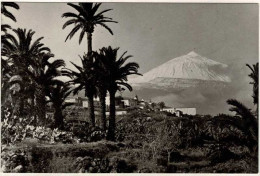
{"x":145,"y":142}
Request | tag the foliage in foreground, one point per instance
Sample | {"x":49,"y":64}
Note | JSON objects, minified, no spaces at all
{"x":154,"y":142}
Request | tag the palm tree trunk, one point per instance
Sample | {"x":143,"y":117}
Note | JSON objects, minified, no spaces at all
{"x":89,"y":37}
{"x":103,"y":110}
{"x":112,"y":117}
{"x":91,"y":107}
{"x":58,"y":117}
{"x":90,"y":94}
{"x":40,"y":107}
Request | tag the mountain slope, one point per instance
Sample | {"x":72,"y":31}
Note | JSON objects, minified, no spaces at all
{"x":185,"y":71}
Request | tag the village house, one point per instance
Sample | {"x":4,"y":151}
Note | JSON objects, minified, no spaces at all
{"x":180,"y":111}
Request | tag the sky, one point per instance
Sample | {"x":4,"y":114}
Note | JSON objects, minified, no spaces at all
{"x":157,"y":32}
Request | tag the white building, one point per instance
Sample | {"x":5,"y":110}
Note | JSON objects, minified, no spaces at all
{"x":85,"y":104}
{"x":170,"y":110}
{"x":71,"y":100}
{"x":188,"y":111}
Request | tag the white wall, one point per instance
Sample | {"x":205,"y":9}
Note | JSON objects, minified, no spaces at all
{"x":126,"y":102}
{"x":171,"y":110}
{"x":118,"y":113}
{"x":71,"y":100}
{"x":189,"y":111}
{"x":85,"y":104}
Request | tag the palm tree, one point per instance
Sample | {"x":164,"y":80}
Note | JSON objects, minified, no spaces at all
{"x":8,"y":14}
{"x":101,"y":86}
{"x":20,"y":52}
{"x":44,"y":74}
{"x":86,"y":19}
{"x":117,"y":72}
{"x":58,"y":94}
{"x":254,"y":76}
{"x":84,"y":79}
{"x":249,"y":124}
{"x":7,"y":71}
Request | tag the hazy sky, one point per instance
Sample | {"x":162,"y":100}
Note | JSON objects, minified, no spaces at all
{"x":155,"y":33}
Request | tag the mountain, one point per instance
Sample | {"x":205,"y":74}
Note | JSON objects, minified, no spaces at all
{"x":191,"y":70}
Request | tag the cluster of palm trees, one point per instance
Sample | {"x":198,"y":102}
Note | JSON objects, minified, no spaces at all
{"x":102,"y":71}
{"x":28,"y":75}
{"x":30,"y":80}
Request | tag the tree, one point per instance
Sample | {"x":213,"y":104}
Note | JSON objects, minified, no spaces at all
{"x":20,"y":50}
{"x":58,"y":94}
{"x":20,"y":53}
{"x":254,"y":76}
{"x":117,"y":72}
{"x":101,"y":86}
{"x":8,"y":14}
{"x":161,"y":105}
{"x":249,"y":123}
{"x":86,"y":19}
{"x":44,"y":74}
{"x":84,"y":79}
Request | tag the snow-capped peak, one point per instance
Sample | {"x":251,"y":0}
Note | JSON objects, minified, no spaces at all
{"x":191,"y":66}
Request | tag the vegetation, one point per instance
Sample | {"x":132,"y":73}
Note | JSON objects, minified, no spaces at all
{"x":116,"y":71}
{"x":86,"y":20}
{"x":84,"y":79}
{"x":8,"y":14}
{"x":58,"y":94}
{"x":249,"y":123}
{"x":254,"y":76}
{"x":143,"y":140}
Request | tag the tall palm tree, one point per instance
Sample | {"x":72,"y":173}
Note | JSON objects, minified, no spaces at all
{"x":6,"y":69}
{"x":20,"y":49}
{"x":254,"y":76}
{"x":85,"y":19}
{"x":58,"y":94}
{"x":84,"y":79}
{"x":8,"y":14}
{"x":19,"y":52}
{"x":31,"y":61}
{"x":117,"y":72}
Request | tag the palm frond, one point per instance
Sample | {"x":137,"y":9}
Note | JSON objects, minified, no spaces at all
{"x":73,"y":31}
{"x":8,"y":15}
{"x":4,"y":27}
{"x":78,"y":8}
{"x":81,"y":36}
{"x":106,"y":27}
{"x":69,"y":22}
{"x":11,"y":4}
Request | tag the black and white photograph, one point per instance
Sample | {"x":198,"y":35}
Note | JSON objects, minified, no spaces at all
{"x":129,"y":87}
